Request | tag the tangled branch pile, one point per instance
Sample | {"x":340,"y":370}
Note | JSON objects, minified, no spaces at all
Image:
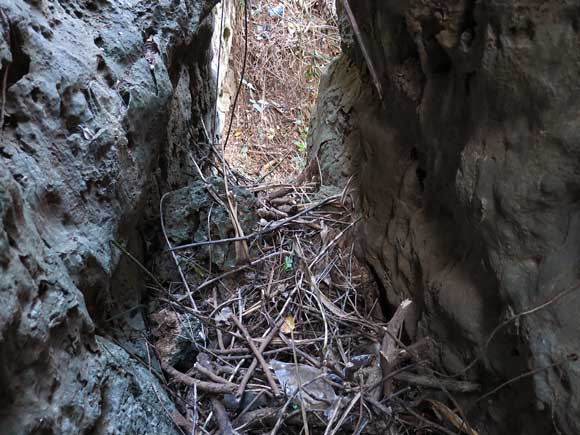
{"x":285,"y":338}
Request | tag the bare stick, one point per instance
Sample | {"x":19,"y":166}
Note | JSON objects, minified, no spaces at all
{"x":363,"y":47}
{"x":389,"y":345}
{"x":333,"y":416}
{"x":255,"y":416}
{"x":211,"y":413}
{"x":254,"y":363}
{"x":220,"y":336}
{"x":194,"y":411}
{"x":231,"y":272}
{"x":345,"y":413}
{"x":316,"y":293}
{"x":210,"y":375}
{"x":258,"y":354}
{"x":281,"y":414}
{"x":208,"y":387}
{"x":428,"y":381}
{"x":333,"y":242}
{"x":280,"y":161}
{"x":306,"y":173}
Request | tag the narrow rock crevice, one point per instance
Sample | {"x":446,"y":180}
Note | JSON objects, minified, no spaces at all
{"x":456,"y":137}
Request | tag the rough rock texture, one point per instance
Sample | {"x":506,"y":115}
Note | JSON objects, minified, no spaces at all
{"x":101,"y":98}
{"x":192,"y":215}
{"x":176,"y":337}
{"x":331,"y":127}
{"x":468,"y":179}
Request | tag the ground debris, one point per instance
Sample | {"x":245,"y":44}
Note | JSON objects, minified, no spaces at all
{"x":290,"y":42}
{"x":292,"y":339}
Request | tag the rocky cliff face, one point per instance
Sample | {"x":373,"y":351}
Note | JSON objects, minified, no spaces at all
{"x":467,"y":172}
{"x":101,"y":103}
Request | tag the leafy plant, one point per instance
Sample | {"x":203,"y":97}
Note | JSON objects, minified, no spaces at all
{"x":288,"y":263}
{"x":301,"y":146}
{"x":301,"y":143}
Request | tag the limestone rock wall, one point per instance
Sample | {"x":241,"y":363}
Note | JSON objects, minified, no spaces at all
{"x":103,"y":102}
{"x":467,"y":175}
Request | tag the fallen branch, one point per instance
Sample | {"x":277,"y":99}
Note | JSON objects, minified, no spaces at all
{"x":363,"y":47}
{"x":389,"y":350}
{"x":254,"y":363}
{"x":231,"y":272}
{"x":345,"y":413}
{"x":255,"y":416}
{"x":258,"y":354}
{"x":209,"y":374}
{"x":432,"y":382}
{"x":208,"y":387}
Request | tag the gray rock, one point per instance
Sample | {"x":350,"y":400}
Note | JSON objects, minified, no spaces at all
{"x":133,"y":402}
{"x":91,"y":135}
{"x":177,"y":338}
{"x":468,"y":174}
{"x":192,"y":215}
{"x":331,"y":123}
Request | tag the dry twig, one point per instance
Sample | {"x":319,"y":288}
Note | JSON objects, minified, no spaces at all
{"x":258,"y":355}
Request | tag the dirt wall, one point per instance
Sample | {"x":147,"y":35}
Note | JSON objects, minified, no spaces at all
{"x":467,"y":178}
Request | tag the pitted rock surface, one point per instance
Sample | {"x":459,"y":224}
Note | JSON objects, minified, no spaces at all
{"x":103,"y":100}
{"x":192,"y":215}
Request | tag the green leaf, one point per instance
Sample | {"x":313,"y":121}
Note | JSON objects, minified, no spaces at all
{"x":300,"y":145}
{"x":288,"y":263}
{"x":199,"y":271}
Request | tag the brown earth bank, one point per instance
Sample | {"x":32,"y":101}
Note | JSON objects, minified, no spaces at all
{"x":453,"y":122}
{"x":458,"y":122}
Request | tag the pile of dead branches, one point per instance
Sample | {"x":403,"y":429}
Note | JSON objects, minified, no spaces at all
{"x":291,"y":341}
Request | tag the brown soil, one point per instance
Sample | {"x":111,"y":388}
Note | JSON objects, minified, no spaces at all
{"x":290,"y":43}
